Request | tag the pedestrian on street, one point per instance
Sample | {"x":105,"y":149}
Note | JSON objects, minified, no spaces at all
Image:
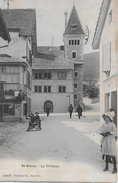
{"x":79,"y":111}
{"x":70,"y":109}
{"x":48,"y":110}
{"x":108,"y":130}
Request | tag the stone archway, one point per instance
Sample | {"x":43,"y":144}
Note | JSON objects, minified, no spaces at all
{"x":50,"y":104}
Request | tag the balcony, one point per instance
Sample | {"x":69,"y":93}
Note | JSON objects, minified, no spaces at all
{"x":12,"y":96}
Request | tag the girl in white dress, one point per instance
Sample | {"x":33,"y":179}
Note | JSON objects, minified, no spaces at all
{"x":108,"y":131}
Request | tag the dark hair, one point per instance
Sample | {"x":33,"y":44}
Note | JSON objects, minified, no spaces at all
{"x":103,"y":116}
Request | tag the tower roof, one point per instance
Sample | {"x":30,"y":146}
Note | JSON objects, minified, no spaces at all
{"x":74,"y":25}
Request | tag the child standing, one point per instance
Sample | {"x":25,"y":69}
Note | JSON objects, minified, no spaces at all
{"x":108,"y":130}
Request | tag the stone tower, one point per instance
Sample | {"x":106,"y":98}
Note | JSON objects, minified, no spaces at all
{"x":73,"y":46}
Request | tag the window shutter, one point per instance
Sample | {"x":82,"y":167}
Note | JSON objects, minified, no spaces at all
{"x":106,"y":57}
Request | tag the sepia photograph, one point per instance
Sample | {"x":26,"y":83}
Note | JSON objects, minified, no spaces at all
{"x":58,"y":91}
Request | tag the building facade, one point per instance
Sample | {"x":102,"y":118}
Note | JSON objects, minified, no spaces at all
{"x":16,"y":62}
{"x":106,"y":39}
{"x":58,"y":73}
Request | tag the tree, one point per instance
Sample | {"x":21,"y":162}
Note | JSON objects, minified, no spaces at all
{"x":90,"y":90}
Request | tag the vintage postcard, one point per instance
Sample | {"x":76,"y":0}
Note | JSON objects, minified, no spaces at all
{"x":58,"y":90}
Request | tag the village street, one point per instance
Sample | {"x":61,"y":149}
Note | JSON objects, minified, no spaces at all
{"x":64,"y":150}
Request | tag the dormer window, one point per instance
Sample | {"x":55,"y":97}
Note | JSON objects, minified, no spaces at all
{"x":74,"y":26}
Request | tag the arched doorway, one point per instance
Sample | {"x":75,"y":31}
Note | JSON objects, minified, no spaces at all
{"x":50,"y":104}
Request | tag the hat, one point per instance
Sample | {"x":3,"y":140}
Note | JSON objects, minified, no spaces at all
{"x":36,"y":112}
{"x":109,"y":115}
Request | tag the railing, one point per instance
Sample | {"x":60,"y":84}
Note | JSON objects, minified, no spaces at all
{"x":12,"y":95}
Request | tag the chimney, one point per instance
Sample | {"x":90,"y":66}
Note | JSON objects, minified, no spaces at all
{"x":66,"y":14}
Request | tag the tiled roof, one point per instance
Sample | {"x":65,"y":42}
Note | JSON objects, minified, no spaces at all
{"x":9,"y":59}
{"x":23,"y":20}
{"x":74,"y":25}
{"x":51,"y":58}
{"x":4,"y":33}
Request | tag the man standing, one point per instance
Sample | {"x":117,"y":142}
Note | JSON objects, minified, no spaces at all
{"x":79,"y":111}
{"x":70,"y":109}
{"x":48,"y":110}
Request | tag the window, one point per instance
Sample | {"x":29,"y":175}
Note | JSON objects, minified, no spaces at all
{"x":73,"y":54}
{"x":75,"y":97}
{"x":47,"y":89}
{"x":75,"y":85}
{"x":36,"y":88}
{"x":42,"y":75}
{"x":74,"y":26}
{"x":110,"y":17}
{"x":2,"y":68}
{"x":74,"y":42}
{"x":38,"y":76}
{"x":47,"y":76}
{"x":40,"y":89}
{"x":76,"y":74}
{"x":1,"y":87}
{"x":62,"y":89}
{"x":62,"y":75}
{"x":6,"y":109}
{"x":69,"y":42}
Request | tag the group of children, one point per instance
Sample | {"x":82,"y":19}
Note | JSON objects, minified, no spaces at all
{"x":108,"y":144}
{"x":35,"y":122}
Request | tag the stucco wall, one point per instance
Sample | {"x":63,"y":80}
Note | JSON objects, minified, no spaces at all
{"x":70,"y":48}
{"x":17,"y":46}
{"x":107,"y":85}
{"x":79,"y":81}
{"x":60,"y":100}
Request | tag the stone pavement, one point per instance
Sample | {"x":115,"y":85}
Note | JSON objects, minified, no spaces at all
{"x":65,"y":150}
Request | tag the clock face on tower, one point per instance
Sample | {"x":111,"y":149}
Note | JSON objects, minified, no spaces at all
{"x":86,"y":34}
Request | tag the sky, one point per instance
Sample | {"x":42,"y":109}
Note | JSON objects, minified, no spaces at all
{"x":50,"y":18}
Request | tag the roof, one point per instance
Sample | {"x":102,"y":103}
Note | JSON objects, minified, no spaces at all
{"x":50,"y":58}
{"x":74,"y":25}
{"x":11,"y":60}
{"x":4,"y":33}
{"x":22,"y":20}
{"x":100,"y":23}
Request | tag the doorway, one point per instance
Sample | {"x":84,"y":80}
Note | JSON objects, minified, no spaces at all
{"x":114,"y":104}
{"x":50,"y":104}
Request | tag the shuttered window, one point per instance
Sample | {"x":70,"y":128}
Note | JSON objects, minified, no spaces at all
{"x":106,"y":57}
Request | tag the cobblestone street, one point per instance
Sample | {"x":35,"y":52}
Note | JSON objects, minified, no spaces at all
{"x":65,"y":150}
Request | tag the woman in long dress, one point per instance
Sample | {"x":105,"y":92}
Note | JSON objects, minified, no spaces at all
{"x":108,"y":131}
